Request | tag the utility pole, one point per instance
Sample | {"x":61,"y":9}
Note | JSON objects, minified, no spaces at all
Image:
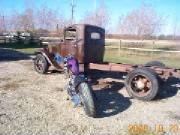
{"x":95,"y":15}
{"x":95,"y":6}
{"x":4,"y":29}
{"x":72,"y":12}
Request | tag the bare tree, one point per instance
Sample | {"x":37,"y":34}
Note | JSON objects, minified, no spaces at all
{"x":43,"y":19}
{"x":24,"y":21}
{"x":142,"y":22}
{"x":27,"y":20}
{"x":176,"y":27}
{"x":62,"y":22}
{"x":15,"y":21}
{"x":3,"y":25}
{"x":176,"y":30}
{"x":47,"y":19}
{"x":99,"y":17}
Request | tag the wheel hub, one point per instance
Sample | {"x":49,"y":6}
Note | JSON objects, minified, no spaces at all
{"x":39,"y":64}
{"x":140,"y":84}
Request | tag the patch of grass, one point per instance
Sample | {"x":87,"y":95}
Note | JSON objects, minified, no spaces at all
{"x":28,"y":50}
{"x":139,"y":57}
{"x":112,"y":44}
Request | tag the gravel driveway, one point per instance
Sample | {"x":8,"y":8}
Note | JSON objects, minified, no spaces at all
{"x":31,"y":103}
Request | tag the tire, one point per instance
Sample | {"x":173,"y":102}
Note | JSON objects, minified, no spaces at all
{"x":142,"y":84}
{"x":43,"y":67}
{"x":88,"y":99}
{"x":156,"y":63}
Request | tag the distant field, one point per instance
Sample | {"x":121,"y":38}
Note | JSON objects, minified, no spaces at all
{"x":148,"y":44}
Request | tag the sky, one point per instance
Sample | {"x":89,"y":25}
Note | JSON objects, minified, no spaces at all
{"x":170,"y":9}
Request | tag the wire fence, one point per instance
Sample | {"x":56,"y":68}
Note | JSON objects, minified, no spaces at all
{"x":168,"y":46}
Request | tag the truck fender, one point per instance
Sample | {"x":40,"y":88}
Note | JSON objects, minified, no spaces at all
{"x":47,"y":58}
{"x":44,"y":54}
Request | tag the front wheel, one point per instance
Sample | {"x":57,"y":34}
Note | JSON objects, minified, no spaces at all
{"x":40,"y":64}
{"x":88,"y":99}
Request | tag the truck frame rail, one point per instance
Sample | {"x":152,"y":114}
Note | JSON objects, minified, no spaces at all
{"x":163,"y":72}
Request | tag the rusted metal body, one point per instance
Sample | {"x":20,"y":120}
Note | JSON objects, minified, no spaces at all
{"x":162,"y":72}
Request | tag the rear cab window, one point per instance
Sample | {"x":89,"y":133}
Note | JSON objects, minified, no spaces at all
{"x":95,"y":35}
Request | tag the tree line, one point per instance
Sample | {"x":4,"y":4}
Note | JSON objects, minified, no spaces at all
{"x":141,"y":23}
{"x":41,"y":20}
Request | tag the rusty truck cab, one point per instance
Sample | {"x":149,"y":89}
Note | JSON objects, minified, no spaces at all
{"x":85,"y":42}
{"x":90,"y":44}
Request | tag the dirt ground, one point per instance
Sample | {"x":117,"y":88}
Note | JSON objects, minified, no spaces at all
{"x":31,"y":103}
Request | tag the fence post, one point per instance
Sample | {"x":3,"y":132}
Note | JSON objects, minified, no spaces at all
{"x":119,"y":46}
{"x":153,"y":44}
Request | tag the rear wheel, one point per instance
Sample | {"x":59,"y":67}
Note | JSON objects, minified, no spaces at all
{"x":41,"y":64}
{"x":155,"y":63}
{"x":88,"y":99}
{"x":158,"y":64}
{"x":142,"y":84}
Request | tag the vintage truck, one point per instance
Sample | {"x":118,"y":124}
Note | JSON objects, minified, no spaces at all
{"x":87,"y":44}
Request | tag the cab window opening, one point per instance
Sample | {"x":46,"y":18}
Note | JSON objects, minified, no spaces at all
{"x":70,"y":34}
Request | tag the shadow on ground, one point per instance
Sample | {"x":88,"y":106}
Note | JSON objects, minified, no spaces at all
{"x":54,"y":71}
{"x":109,"y":101}
{"x":12,"y":55}
{"x":169,"y":88}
